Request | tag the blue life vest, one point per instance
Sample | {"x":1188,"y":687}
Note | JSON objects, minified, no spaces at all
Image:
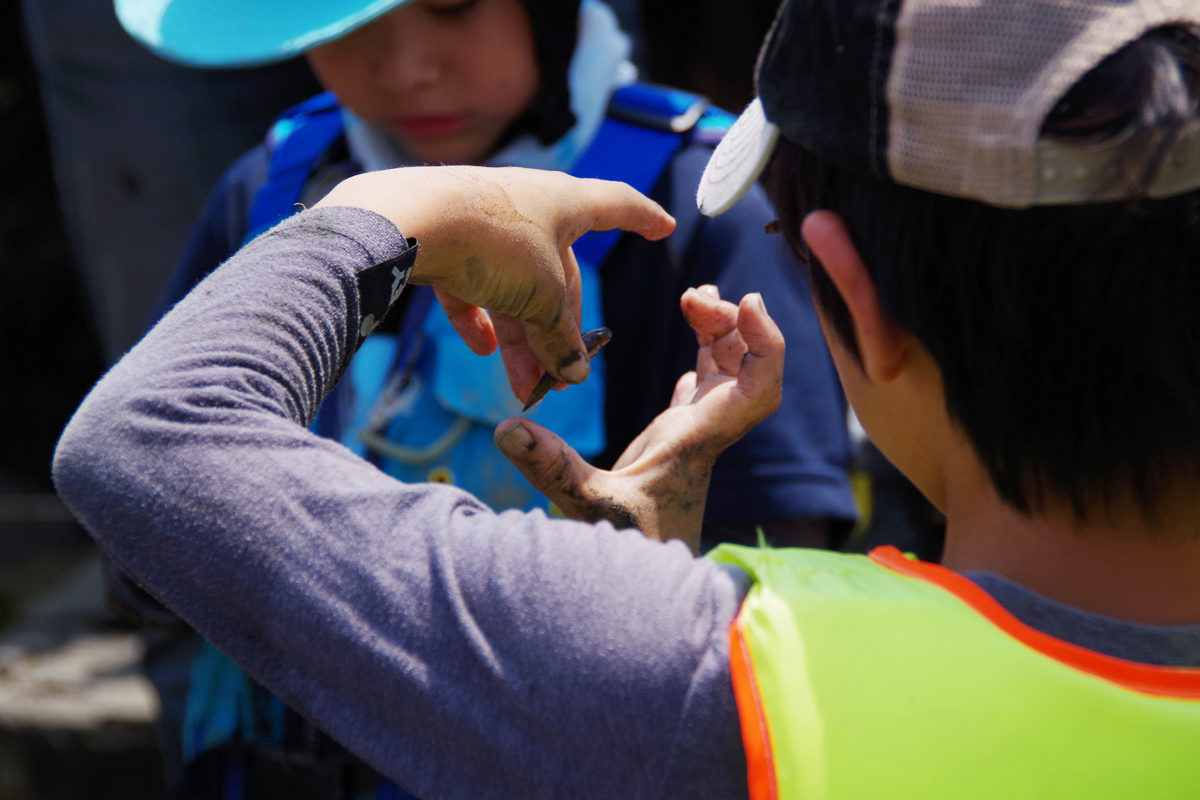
{"x":419,"y":404}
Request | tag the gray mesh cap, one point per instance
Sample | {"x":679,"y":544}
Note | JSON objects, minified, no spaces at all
{"x":947,"y":96}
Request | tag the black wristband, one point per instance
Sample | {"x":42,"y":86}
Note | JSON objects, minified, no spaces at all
{"x":380,"y":286}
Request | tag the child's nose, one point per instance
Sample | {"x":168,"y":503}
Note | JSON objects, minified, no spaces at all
{"x":408,"y":56}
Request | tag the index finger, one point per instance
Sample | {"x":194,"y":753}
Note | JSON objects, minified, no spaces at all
{"x":761,"y":372}
{"x":608,"y":205}
{"x":557,"y":341}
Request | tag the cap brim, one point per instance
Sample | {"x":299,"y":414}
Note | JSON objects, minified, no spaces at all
{"x":738,"y":161}
{"x":242,"y":33}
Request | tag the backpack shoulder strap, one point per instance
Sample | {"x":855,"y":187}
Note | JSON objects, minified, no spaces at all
{"x":297,"y":141}
{"x":646,"y":126}
{"x":657,"y":107}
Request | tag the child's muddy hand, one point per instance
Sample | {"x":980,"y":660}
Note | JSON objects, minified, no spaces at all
{"x":582,"y":491}
{"x":500,"y":239}
{"x":659,"y":484}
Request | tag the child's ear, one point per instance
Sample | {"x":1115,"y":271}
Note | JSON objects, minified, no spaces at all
{"x":882,"y":345}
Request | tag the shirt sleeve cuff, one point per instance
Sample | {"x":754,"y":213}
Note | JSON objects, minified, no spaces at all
{"x":379,"y":255}
{"x":380,"y":286}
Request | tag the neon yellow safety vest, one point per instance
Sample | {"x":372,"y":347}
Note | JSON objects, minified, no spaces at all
{"x":880,"y":677}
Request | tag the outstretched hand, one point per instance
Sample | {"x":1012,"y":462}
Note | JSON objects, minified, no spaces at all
{"x":500,"y":239}
{"x":661,"y":480}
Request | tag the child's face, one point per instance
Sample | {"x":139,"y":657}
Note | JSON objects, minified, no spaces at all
{"x":444,"y":77}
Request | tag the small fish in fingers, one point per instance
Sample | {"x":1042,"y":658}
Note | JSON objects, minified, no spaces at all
{"x":593,"y":341}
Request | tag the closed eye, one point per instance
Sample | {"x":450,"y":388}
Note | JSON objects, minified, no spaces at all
{"x":453,"y":10}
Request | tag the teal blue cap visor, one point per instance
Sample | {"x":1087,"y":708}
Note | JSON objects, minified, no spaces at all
{"x":243,"y":33}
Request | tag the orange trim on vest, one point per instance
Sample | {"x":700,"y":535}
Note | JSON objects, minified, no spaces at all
{"x":1183,"y":682}
{"x":760,"y":766}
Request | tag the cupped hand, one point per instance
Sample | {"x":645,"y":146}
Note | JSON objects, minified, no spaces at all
{"x":500,"y":239}
{"x":660,"y":482}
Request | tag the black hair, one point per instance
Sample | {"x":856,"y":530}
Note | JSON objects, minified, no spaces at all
{"x":1067,"y":336}
{"x":555,"y":31}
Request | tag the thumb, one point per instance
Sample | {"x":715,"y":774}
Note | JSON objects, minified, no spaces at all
{"x":554,"y":336}
{"x":549,"y":463}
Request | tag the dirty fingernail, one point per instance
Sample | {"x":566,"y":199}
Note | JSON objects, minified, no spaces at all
{"x":574,"y":368}
{"x":515,"y":440}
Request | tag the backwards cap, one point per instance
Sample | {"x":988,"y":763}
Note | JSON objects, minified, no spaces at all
{"x":947,"y":96}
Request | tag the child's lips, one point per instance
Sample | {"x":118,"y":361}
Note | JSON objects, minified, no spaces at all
{"x":431,"y":125}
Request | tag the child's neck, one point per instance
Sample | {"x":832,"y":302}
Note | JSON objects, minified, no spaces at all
{"x":1119,"y":566}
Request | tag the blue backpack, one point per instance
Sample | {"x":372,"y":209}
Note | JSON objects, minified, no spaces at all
{"x":419,"y":404}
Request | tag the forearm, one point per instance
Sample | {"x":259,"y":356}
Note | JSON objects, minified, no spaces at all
{"x":190,"y":462}
{"x":224,"y":385}
{"x":410,"y":622}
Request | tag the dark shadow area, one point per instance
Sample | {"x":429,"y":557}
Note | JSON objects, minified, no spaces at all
{"x":706,"y":46}
{"x":49,"y":357}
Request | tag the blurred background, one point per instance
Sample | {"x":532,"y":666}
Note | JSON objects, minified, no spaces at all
{"x":106,"y":155}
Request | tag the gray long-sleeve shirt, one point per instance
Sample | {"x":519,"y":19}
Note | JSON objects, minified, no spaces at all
{"x":463,"y":653}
